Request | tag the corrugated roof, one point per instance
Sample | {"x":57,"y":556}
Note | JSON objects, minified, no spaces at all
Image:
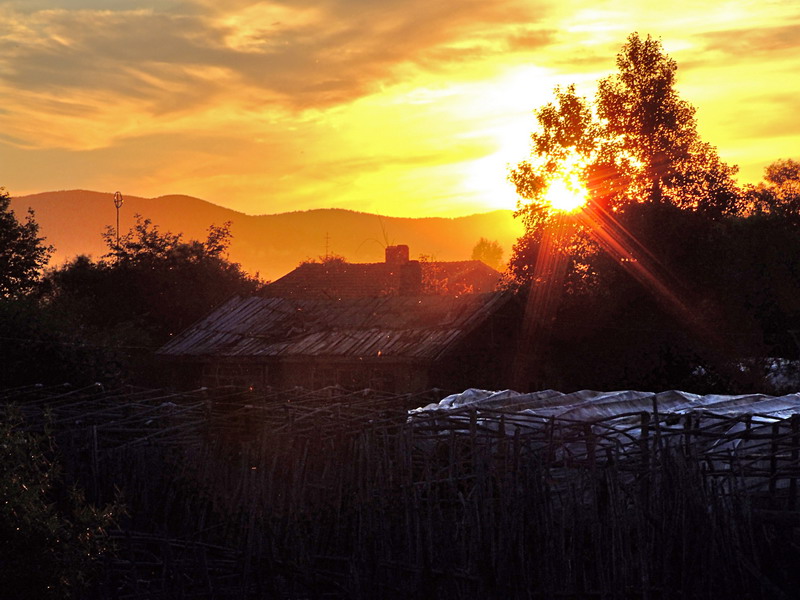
{"x":409,"y":327}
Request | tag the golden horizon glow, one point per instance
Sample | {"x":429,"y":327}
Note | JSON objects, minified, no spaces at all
{"x":398,"y":108}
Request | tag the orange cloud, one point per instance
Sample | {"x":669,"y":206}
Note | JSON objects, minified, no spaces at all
{"x":402,"y":106}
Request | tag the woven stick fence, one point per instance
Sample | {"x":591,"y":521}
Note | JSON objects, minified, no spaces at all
{"x":335,"y":494}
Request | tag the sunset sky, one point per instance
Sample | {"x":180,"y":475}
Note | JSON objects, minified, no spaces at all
{"x":400,"y":107}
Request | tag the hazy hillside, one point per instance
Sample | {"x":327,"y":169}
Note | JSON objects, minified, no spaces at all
{"x":272,"y":245}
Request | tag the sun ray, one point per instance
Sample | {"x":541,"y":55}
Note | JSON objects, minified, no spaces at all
{"x":646,"y":268}
{"x":571,"y":204}
{"x":541,"y":307}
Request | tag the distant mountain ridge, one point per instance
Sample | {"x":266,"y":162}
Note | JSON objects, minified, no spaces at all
{"x":271,"y":245}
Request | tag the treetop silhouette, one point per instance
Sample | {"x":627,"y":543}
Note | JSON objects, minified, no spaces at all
{"x":636,"y":141}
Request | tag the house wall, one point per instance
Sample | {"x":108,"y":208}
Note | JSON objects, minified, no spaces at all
{"x":388,"y":376}
{"x":240,"y":373}
{"x":484,"y":359}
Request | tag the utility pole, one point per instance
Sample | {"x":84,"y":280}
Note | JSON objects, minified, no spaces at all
{"x":117,"y":203}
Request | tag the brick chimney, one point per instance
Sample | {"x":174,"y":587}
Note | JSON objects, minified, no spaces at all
{"x":408,"y":273}
{"x":397,"y":255}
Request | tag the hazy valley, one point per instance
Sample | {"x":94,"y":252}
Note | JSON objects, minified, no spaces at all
{"x":271,"y":245}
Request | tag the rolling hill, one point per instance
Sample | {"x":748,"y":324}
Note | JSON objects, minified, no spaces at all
{"x":270,"y":245}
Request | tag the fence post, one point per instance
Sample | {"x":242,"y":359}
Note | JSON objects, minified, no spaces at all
{"x":590,"y":446}
{"x":644,"y":440}
{"x":644,"y":446}
{"x":473,"y":425}
{"x":687,"y":435}
{"x":773,"y":458}
{"x":656,"y":426}
{"x":795,"y":423}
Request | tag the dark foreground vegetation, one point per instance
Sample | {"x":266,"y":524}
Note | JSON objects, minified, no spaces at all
{"x":101,"y":319}
{"x":236,"y":494}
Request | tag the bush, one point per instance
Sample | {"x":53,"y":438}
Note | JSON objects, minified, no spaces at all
{"x":50,"y":537}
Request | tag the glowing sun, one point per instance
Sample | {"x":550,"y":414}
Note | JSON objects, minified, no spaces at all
{"x":567,"y":191}
{"x":566,"y":195}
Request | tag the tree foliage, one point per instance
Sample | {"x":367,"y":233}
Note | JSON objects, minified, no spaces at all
{"x":150,"y":285}
{"x":50,"y":537}
{"x":98,"y":320}
{"x":779,"y":193}
{"x":329,"y":260}
{"x":23,"y":253}
{"x":637,"y":141}
{"x":29,"y":337}
{"x":41,"y":345}
{"x":739,"y":277}
{"x":490,"y":252}
{"x":650,"y":136}
{"x":709,"y":276}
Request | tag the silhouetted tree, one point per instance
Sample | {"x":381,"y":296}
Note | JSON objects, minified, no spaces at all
{"x":330,"y":260}
{"x":42,"y":345}
{"x":23,"y":253}
{"x":779,"y":194}
{"x":150,"y":286}
{"x":785,"y":174}
{"x":490,"y":252}
{"x":636,"y":142}
{"x":33,"y":347}
{"x":711,"y":279}
{"x":650,"y":140}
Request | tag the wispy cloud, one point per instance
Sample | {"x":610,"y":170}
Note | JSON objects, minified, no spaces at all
{"x":311,"y":55}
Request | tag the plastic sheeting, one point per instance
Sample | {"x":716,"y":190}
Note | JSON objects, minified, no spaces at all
{"x":588,"y":405}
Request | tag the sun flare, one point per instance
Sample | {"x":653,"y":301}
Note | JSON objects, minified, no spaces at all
{"x":566,"y":195}
{"x":567,"y":190}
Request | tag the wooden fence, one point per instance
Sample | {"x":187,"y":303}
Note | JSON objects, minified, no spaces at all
{"x":334,"y":494}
